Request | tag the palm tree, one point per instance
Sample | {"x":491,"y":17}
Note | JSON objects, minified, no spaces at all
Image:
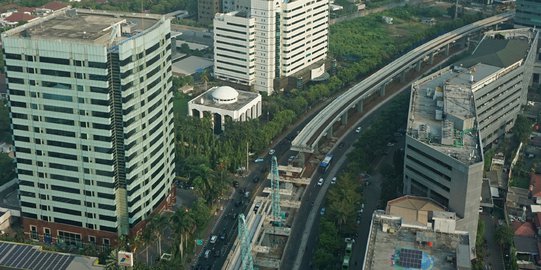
{"x":146,"y":236}
{"x":183,"y":225}
{"x":160,"y":222}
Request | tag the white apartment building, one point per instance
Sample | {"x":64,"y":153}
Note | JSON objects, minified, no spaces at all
{"x":92,"y":115}
{"x":458,"y":111}
{"x":290,"y":36}
{"x":234,"y":47}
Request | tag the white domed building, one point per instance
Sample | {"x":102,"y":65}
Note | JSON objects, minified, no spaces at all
{"x":223,"y":102}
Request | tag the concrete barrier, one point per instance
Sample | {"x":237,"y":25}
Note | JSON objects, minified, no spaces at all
{"x":8,"y":184}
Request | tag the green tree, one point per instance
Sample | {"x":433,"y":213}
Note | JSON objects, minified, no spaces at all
{"x":504,"y":235}
{"x":7,"y":168}
{"x":523,"y":128}
{"x":342,"y":199}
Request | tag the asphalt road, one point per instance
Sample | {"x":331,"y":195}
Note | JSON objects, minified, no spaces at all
{"x":227,"y":222}
{"x":371,"y":203}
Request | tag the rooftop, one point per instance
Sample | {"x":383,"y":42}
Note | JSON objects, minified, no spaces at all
{"x":225,"y":92}
{"x":535,"y":184}
{"x":413,"y":209}
{"x":389,"y":239}
{"x":88,"y":26}
{"x":442,"y":112}
{"x":499,"y":52}
{"x":23,"y":256}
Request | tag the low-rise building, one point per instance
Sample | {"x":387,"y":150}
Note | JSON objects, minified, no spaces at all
{"x":403,"y":240}
{"x":224,"y":104}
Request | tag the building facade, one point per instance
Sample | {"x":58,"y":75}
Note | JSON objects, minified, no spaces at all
{"x":234,"y":48}
{"x":458,"y":111}
{"x":92,"y":117}
{"x":290,"y":36}
{"x":235,"y":5}
{"x":206,"y":9}
{"x":224,"y":104}
{"x":528,"y":13}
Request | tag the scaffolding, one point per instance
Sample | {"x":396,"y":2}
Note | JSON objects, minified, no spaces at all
{"x":275,"y":186}
{"x":247,"y":262}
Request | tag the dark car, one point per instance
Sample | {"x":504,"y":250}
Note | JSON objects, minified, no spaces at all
{"x":255,"y":179}
{"x":341,"y":145}
{"x":217,"y":253}
{"x":238,"y":203}
{"x":236,"y":184}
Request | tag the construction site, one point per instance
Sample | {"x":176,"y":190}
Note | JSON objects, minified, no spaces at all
{"x":263,"y":233}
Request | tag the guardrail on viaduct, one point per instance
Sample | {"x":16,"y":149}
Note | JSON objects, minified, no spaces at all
{"x":307,"y":140}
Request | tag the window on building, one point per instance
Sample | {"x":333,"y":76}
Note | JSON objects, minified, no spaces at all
{"x":34,"y":232}
{"x":69,"y":238}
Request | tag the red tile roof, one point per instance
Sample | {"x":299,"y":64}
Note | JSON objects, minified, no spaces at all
{"x":535,"y":185}
{"x":525,"y":229}
{"x":54,"y":5}
{"x":19,"y":16}
{"x":26,"y":9}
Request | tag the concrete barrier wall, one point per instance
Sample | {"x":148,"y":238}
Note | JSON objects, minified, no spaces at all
{"x":8,"y":184}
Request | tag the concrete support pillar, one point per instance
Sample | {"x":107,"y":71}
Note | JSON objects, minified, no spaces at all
{"x":432,"y":58}
{"x":382,"y":90}
{"x":223,"y":121}
{"x":329,"y":132}
{"x":419,"y":65}
{"x":447,"y":48}
{"x":403,"y":76}
{"x":345,"y":118}
{"x":360,"y":105}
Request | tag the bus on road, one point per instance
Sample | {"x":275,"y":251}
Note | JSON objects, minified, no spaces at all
{"x":325,"y":164}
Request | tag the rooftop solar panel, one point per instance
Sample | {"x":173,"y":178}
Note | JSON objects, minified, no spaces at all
{"x":18,"y":256}
{"x":410,"y":258}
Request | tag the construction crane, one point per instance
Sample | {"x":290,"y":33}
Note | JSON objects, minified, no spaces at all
{"x":275,"y":187}
{"x":247,"y":262}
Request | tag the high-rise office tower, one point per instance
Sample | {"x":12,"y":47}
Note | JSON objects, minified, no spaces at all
{"x":90,"y":95}
{"x":528,"y":13}
{"x":290,"y":38}
{"x":457,"y":112}
{"x":206,"y":9}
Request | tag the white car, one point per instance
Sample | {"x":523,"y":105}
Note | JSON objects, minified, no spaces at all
{"x":358,"y":130}
{"x":333,"y":181}
{"x":213,"y":239}
{"x":271,"y":152}
{"x":320,"y":182}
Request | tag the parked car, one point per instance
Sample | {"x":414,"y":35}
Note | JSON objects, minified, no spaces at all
{"x":255,"y":179}
{"x":333,"y":181}
{"x":213,"y":239}
{"x":291,"y":159}
{"x":322,"y":211}
{"x":271,"y":152}
{"x":207,"y":253}
{"x":236,"y":184}
{"x":320,"y":182}
{"x":259,"y":160}
{"x":256,"y":207}
{"x":358,"y":130}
